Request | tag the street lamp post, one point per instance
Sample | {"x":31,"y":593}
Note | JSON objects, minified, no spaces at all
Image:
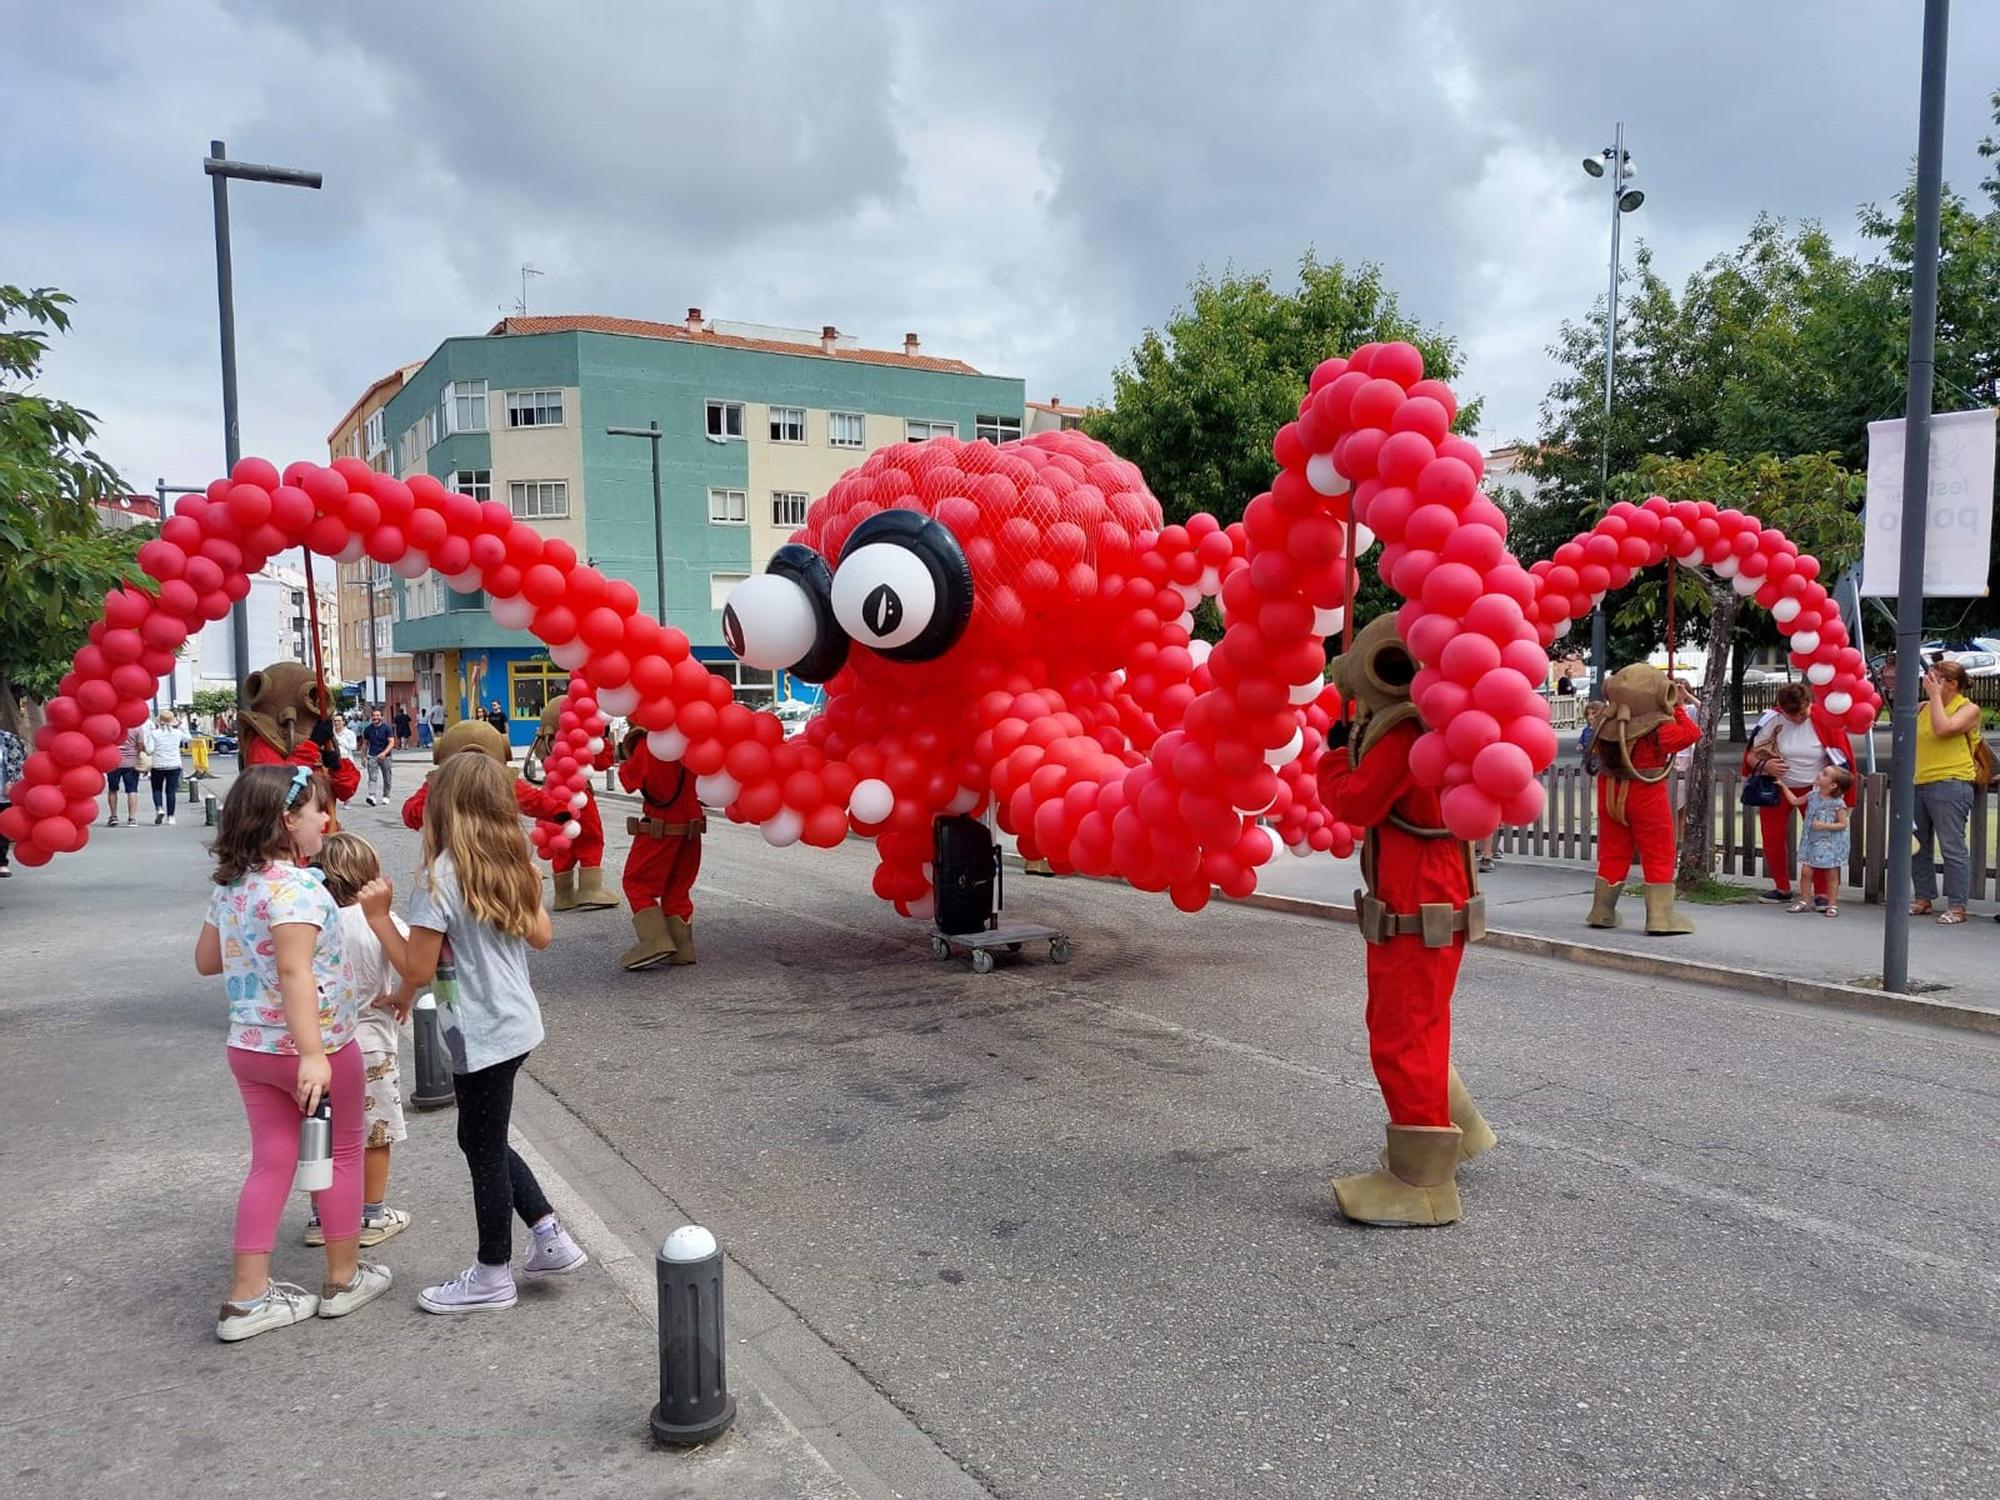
{"x":1615,"y":163}
{"x":220,"y":169}
{"x":651,"y":431}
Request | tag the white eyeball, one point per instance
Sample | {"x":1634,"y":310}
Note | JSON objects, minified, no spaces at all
{"x":769,"y":622}
{"x":883,"y":595}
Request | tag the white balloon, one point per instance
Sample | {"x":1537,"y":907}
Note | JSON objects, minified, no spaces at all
{"x":1256,"y":812}
{"x":1746,"y":585}
{"x":871,"y":801}
{"x":1820,"y":673}
{"x":1210,"y":583}
{"x":1563,"y":627}
{"x":1727,"y":567}
{"x":718,"y":790}
{"x":1326,"y":622}
{"x":774,"y":621}
{"x":1786,"y":610}
{"x":570,"y":655}
{"x":924,"y":907}
{"x":572,"y":828}
{"x":617,"y":702}
{"x":1806,"y":642}
{"x":967,"y":799}
{"x":1186,"y":622}
{"x":595,"y":745}
{"x":783,"y":828}
{"x":467,"y":582}
{"x":1323,"y":476}
{"x":1287,"y":752}
{"x":1190,"y":593}
{"x":1363,"y":540}
{"x":578,"y":800}
{"x":1839,"y":703}
{"x":412,"y":564}
{"x":514,"y":614}
{"x":351,"y":551}
{"x":667,"y":744}
{"x":1301,"y":849}
{"x":1199,"y":650}
{"x":1306,"y":692}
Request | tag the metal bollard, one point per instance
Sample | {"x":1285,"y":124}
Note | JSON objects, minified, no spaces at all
{"x":695,"y":1404}
{"x":210,"y":809}
{"x":433,"y":1088}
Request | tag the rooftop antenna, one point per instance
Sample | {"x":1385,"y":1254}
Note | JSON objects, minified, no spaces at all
{"x":521,"y":307}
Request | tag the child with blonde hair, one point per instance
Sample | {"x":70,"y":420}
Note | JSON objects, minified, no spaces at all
{"x":477,"y":908}
{"x":353,"y":874}
{"x":275,"y":933}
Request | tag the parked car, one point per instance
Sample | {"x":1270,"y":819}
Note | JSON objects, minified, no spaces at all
{"x":1979,"y":656}
{"x":793,"y":714}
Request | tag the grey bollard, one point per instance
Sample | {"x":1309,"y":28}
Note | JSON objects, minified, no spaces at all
{"x":695,"y":1404}
{"x":209,"y":809}
{"x":433,"y":1088}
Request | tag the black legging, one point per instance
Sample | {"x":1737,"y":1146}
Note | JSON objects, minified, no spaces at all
{"x":501,"y":1181}
{"x":171,"y":780}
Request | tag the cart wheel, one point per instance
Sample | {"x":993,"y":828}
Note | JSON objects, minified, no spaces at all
{"x":1059,"y":950}
{"x":940,"y":949}
{"x":1013,"y":947}
{"x":982,"y":961}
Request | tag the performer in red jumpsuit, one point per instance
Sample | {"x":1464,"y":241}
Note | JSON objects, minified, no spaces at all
{"x":579,"y":869}
{"x":279,"y":701}
{"x":665,"y":857}
{"x":1636,"y":732}
{"x":1416,"y":916}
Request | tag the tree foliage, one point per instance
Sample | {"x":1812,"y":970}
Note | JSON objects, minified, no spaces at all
{"x":56,"y":559}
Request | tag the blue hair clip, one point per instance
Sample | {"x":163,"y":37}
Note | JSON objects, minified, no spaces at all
{"x":301,"y":779}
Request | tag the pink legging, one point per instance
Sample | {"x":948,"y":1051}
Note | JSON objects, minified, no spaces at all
{"x":269,"y":1085}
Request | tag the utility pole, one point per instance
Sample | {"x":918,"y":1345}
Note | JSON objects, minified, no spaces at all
{"x":652,"y":431}
{"x":220,"y":169}
{"x":1916,"y":499}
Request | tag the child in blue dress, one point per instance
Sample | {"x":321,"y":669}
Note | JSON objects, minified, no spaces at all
{"x":1823,"y":845}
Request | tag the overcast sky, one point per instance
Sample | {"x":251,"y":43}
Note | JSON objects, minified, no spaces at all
{"x":1026,"y":185}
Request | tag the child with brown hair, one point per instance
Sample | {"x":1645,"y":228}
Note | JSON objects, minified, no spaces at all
{"x":374,"y":934}
{"x":477,"y":908}
{"x":275,"y":933}
{"x":1824,"y":845}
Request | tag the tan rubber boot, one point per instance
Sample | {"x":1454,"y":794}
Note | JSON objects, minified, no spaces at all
{"x":590,"y":891}
{"x":1662,"y":920}
{"x":565,"y":881}
{"x":681,"y":930}
{"x":1416,"y":1189}
{"x":1476,"y":1136}
{"x":1604,"y":905}
{"x":655,"y":945}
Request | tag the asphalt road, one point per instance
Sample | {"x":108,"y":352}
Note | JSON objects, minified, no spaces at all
{"x":1074,"y":1219}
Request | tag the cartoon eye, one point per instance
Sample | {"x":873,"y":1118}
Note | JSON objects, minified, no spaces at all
{"x":903,"y":588}
{"x":783,"y":621}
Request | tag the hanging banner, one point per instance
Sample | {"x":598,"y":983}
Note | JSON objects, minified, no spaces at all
{"x":1959,"y":534}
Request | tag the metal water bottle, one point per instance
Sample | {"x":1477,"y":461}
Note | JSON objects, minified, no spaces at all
{"x":315,"y":1174}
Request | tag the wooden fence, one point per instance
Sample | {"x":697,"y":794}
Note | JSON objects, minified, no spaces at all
{"x":1758,"y":696}
{"x":1567,"y":830}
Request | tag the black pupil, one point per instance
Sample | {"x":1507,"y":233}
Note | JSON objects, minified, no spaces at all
{"x":881,"y":611}
{"x":732,"y":630}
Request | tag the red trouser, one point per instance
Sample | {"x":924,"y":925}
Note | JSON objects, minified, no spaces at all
{"x":1409,"y":1026}
{"x":587,"y":849}
{"x":661,"y":871}
{"x":1648,"y":827}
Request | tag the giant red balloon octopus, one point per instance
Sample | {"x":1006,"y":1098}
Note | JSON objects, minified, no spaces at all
{"x":1002,"y":626}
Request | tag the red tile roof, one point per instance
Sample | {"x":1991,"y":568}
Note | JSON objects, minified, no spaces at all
{"x":393,"y":378}
{"x":639,"y":328}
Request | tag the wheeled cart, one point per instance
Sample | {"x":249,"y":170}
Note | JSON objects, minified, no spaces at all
{"x":1009,"y":937}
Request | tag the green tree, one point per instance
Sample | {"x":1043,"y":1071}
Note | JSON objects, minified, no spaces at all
{"x":210,"y":701}
{"x":56,"y":559}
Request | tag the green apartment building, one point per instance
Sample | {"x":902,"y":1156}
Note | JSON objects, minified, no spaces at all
{"x":756,"y":423}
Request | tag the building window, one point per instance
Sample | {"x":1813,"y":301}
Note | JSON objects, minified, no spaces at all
{"x":788,"y":507}
{"x":534,"y":408}
{"x":376,"y":440}
{"x":788,"y":424}
{"x":844,"y":429}
{"x":996,"y":429}
{"x":462,"y":407}
{"x":478,"y":483}
{"x":719,"y":585}
{"x":919,"y":432}
{"x":532,"y":686}
{"x":728,"y":508}
{"x":410,"y":449}
{"x":725,"y":420}
{"x":538,"y":499}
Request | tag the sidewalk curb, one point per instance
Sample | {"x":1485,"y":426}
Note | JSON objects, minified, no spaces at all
{"x":1751,"y":981}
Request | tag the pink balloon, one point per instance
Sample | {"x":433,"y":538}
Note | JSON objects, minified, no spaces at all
{"x":1470,"y":813}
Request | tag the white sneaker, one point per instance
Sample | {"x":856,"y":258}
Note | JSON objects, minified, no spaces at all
{"x":370,"y":1281}
{"x":469,"y":1292}
{"x":553,"y":1254}
{"x":369,"y":800}
{"x":391,"y":1221}
{"x":282,"y":1305}
{"x":170,"y":820}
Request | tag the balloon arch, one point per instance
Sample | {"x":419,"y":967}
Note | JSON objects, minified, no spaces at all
{"x":1003,"y":626}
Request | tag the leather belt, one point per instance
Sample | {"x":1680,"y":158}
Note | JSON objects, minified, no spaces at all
{"x":654,"y":828}
{"x":1436,"y":922}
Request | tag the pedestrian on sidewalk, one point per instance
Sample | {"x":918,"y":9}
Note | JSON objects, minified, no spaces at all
{"x":375,"y":938}
{"x":13,"y":756}
{"x":402,"y":726}
{"x":1792,"y":744}
{"x":475,"y":913}
{"x":1824,"y":844}
{"x":125,"y":776}
{"x":1948,"y":745}
{"x":379,"y":740}
{"x":165,"y":739}
{"x":275,"y":933}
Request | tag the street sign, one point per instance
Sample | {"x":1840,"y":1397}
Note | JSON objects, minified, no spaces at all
{"x":1959,"y":540}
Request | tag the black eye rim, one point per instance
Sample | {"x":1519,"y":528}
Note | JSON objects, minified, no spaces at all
{"x":931,"y":543}
{"x":806,"y":568}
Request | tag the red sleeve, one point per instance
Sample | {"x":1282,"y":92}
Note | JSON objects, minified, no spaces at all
{"x":1362,"y":796}
{"x":634,"y":770}
{"x":346,"y":777}
{"x":604,"y":758}
{"x":536,"y":802}
{"x":413,"y":809}
{"x":1678,"y":732}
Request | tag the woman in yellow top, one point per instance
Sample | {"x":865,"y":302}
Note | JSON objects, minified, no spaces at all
{"x":1946,"y":725}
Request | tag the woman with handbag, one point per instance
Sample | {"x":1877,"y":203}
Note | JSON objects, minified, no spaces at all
{"x":1789,"y":747}
{"x":1949,"y":752}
